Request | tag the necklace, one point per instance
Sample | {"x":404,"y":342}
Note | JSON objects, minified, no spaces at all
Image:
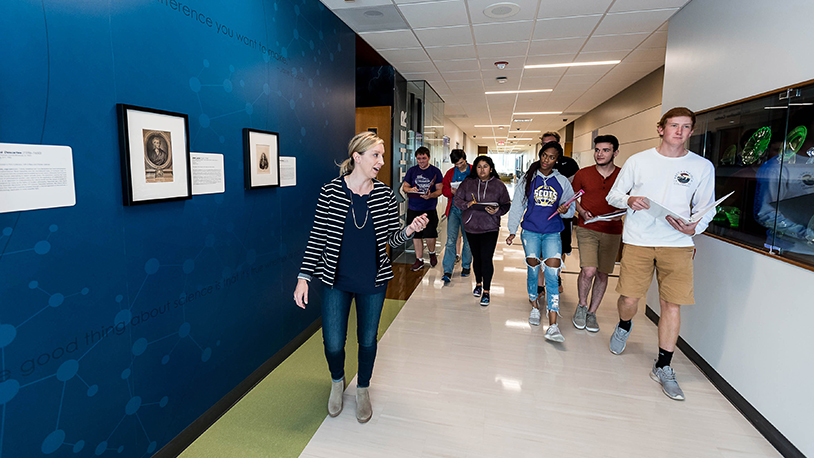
{"x":353,"y":213}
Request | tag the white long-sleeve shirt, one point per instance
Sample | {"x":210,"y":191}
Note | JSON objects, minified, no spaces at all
{"x":678,"y":183}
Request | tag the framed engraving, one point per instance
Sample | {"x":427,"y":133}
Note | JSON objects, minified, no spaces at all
{"x":261,"y":158}
{"x":154,"y":148}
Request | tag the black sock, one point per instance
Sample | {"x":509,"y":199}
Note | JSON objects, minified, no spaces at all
{"x":664,"y":358}
{"x":625,"y":324}
{"x":540,"y":289}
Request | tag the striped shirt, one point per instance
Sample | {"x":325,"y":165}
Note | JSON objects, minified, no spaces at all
{"x":322,"y":251}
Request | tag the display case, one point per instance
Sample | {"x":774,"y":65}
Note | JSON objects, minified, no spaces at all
{"x":763,"y":150}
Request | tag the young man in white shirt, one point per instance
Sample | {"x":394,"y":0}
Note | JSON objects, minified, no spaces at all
{"x":681,"y":181}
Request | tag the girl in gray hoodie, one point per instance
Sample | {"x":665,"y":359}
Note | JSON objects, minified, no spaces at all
{"x":483,"y":199}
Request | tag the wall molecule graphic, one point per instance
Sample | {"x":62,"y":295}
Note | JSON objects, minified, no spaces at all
{"x":120,"y":326}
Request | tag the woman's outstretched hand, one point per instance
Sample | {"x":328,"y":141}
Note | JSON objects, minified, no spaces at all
{"x":419,"y":223}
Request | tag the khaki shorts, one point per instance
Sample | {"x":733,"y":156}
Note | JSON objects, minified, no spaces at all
{"x":598,"y":249}
{"x":673,"y":266}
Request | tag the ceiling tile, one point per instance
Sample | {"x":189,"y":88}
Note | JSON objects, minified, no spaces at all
{"x":540,"y":82}
{"x":573,"y":77}
{"x":626,"y":42}
{"x":457,"y":65}
{"x":637,"y":5}
{"x":550,"y":59}
{"x":435,"y":14}
{"x":637,"y":21}
{"x":445,"y":36}
{"x":559,"y":8}
{"x":556,"y":46}
{"x":341,"y":4}
{"x":656,"y":40}
{"x":476,"y":7}
{"x":578,"y":26}
{"x":405,"y":55}
{"x":462,"y":77}
{"x":539,"y":72}
{"x":391,"y":39}
{"x":507,"y":49}
{"x":374,"y":18}
{"x":502,"y":32}
{"x":418,"y":76}
{"x":415,"y":67}
{"x":451,"y":52}
{"x":647,"y":55}
{"x":599,"y":56}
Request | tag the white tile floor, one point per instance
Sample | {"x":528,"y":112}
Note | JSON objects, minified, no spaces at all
{"x":453,"y":379}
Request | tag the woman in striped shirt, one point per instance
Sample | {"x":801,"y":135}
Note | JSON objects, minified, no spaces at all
{"x":356,"y":217}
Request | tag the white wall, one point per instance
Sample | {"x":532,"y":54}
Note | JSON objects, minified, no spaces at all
{"x":630,"y":115}
{"x":719,"y":51}
{"x":753,"y":319}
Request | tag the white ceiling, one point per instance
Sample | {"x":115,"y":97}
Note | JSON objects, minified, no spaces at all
{"x":453,"y":45}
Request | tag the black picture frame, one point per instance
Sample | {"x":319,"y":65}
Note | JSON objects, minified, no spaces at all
{"x":155,"y":159}
{"x":261,"y":158}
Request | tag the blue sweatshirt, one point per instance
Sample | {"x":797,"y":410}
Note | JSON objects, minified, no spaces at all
{"x":547,"y":193}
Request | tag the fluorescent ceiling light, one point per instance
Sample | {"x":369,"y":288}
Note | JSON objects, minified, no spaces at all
{"x":506,"y":138}
{"x":519,"y":92}
{"x":527,"y":131}
{"x":522,"y":120}
{"x":493,"y":125}
{"x":433,"y":127}
{"x":539,"y":113}
{"x":575,"y":64}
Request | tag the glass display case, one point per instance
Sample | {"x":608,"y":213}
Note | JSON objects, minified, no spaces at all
{"x":763,"y":150}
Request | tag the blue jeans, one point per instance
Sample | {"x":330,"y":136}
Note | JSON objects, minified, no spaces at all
{"x":335,"y":312}
{"x":542,"y":247}
{"x":455,"y":224}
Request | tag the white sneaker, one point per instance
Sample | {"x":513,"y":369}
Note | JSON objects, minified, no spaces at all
{"x":553,"y":334}
{"x":534,"y":317}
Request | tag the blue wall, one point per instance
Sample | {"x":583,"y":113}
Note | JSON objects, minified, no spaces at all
{"x":70,"y":274}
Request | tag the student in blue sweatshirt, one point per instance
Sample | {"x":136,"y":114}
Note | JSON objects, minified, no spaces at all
{"x":540,"y":194}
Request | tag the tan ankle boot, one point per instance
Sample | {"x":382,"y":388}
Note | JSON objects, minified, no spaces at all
{"x":335,"y":401}
{"x":364,"y":411}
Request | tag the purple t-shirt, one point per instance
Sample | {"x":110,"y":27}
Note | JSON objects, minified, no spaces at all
{"x":422,"y":179}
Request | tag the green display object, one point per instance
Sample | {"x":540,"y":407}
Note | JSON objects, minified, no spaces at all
{"x":728,"y":157}
{"x":794,"y":141}
{"x":756,"y":145}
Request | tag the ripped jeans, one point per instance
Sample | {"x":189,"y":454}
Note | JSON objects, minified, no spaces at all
{"x":543,"y":247}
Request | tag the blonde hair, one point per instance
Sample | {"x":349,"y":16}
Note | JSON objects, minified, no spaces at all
{"x":361,"y":143}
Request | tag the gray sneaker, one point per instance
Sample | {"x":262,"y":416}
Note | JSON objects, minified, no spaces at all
{"x":666,"y":376}
{"x":579,"y":317}
{"x":553,"y":334}
{"x":590,"y":322}
{"x":618,"y":340}
{"x":534,"y":317}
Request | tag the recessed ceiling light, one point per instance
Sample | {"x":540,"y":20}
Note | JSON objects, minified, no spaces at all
{"x":575,"y":64}
{"x":373,"y":13}
{"x":527,"y":131}
{"x":501,"y":10}
{"x":521,"y":120}
{"x":491,"y":125}
{"x":519,"y":92}
{"x":539,"y":113}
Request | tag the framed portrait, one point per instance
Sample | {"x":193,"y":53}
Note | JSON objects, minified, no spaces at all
{"x":154,"y":147}
{"x":261,"y":158}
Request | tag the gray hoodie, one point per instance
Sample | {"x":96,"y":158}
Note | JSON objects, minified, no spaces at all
{"x":476,"y":219}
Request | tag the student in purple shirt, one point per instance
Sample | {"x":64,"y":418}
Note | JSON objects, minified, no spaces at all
{"x":423,"y":184}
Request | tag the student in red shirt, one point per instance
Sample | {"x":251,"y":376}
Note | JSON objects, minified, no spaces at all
{"x":598,"y":241}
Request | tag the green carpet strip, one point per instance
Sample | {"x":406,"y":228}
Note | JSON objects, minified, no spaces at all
{"x":280,"y":414}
